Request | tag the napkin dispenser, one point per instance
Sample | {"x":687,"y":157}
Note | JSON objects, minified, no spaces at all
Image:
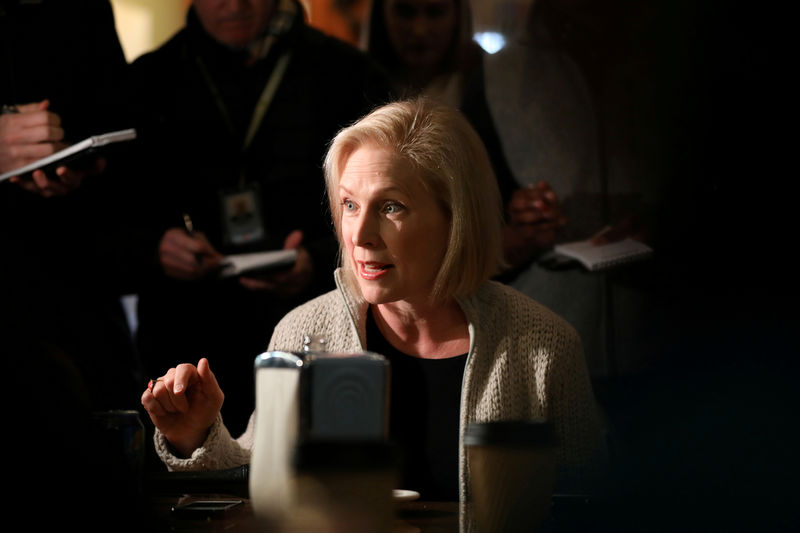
{"x":311,"y":397}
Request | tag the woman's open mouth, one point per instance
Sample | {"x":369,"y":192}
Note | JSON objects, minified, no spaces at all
{"x":371,"y":270}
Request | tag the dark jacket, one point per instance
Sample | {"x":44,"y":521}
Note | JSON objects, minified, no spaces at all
{"x":192,"y":156}
{"x":59,"y":296}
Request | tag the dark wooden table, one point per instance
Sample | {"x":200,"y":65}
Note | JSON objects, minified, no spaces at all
{"x":410,"y":517}
{"x":163,"y":492}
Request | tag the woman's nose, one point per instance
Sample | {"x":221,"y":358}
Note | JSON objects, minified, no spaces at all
{"x":365,"y":231}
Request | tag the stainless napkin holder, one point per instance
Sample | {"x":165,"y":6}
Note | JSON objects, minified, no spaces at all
{"x":311,"y":397}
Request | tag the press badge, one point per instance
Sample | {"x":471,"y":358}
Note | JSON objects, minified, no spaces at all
{"x":241,"y":216}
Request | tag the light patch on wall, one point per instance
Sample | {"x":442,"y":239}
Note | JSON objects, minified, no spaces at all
{"x":490,"y":41}
{"x":134,"y":26}
{"x":144,"y":25}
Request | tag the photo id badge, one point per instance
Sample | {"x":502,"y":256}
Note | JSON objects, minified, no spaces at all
{"x":241,"y":216}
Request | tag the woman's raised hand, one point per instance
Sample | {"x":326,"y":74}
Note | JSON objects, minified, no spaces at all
{"x":183,"y":405}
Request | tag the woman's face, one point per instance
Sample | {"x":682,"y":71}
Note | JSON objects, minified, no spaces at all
{"x":395,"y":234}
{"x":421,"y":31}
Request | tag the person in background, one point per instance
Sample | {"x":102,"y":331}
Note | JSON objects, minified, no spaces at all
{"x":426,"y":46}
{"x":690,"y":351}
{"x":568,"y":92}
{"x":62,"y":73}
{"x":234,"y":114}
{"x":419,"y":220}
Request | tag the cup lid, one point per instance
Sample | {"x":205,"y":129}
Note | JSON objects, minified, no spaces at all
{"x":536,"y":431}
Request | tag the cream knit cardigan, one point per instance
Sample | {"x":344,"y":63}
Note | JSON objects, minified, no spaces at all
{"x":524,"y":361}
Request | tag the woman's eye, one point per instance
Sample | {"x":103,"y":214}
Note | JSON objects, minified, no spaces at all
{"x":392,"y":209}
{"x":348,"y":205}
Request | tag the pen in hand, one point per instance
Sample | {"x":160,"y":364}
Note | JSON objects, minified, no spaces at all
{"x":187,"y":222}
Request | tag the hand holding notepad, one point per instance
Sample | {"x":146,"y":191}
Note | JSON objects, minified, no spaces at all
{"x":257,"y":263}
{"x":603,"y":256}
{"x":62,"y":157}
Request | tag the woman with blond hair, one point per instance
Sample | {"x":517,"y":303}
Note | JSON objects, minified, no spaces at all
{"x":418,"y":216}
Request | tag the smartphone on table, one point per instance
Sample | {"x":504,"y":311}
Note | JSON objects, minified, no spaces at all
{"x":202,"y":509}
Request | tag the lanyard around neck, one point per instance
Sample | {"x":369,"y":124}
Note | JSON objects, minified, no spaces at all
{"x":262,"y":105}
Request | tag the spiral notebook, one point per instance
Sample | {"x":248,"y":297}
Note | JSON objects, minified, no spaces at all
{"x":600,"y":257}
{"x":257,"y":263}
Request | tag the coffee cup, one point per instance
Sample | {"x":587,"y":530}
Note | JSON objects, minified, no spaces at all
{"x":512,"y":466}
{"x":344,"y":486}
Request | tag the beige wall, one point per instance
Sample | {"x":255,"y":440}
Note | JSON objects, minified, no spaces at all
{"x":143,"y":25}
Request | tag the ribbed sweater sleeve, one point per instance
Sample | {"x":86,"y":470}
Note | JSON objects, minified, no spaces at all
{"x":219,"y":451}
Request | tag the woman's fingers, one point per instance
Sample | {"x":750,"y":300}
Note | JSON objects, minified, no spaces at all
{"x":150,"y":403}
{"x":184,"y":390}
{"x":153,"y":407}
{"x":163,"y":394}
{"x":205,"y":374}
{"x":185,"y":376}
{"x":209,"y":381}
{"x":177,"y":383}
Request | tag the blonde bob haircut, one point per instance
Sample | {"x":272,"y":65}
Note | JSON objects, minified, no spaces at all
{"x":451,"y":164}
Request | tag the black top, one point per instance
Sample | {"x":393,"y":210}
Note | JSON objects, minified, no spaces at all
{"x":424,"y":417}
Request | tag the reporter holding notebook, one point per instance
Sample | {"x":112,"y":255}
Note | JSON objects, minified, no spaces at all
{"x":234,"y":113}
{"x":30,"y":132}
{"x":62,"y":70}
